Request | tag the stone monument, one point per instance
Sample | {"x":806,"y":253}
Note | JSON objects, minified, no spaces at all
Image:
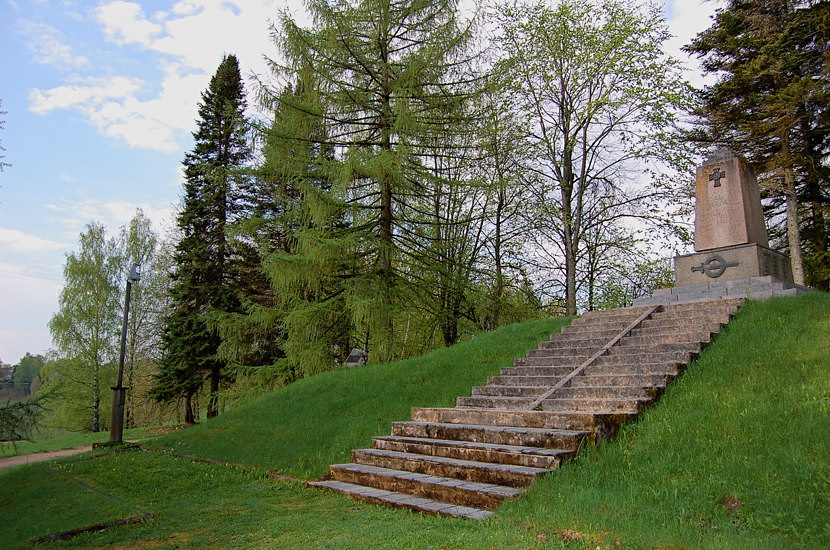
{"x":732,"y":257}
{"x":730,"y":235}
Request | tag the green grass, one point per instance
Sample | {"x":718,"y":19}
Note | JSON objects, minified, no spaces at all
{"x":303,"y":428}
{"x":14,"y":448}
{"x":734,"y":456}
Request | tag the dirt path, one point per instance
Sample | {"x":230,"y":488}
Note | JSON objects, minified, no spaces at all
{"x":40,"y":457}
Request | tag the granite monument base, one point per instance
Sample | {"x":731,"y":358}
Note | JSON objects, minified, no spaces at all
{"x":731,"y":263}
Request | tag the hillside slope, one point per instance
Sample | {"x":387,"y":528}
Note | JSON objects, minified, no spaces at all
{"x":302,"y":428}
{"x":735,"y":455}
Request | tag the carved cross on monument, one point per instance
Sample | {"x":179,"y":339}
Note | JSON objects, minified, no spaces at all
{"x":716,"y":175}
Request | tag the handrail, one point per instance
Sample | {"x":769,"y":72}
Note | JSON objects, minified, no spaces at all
{"x":594,"y":357}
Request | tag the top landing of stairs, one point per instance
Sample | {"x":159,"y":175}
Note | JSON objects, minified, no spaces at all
{"x":756,"y":288}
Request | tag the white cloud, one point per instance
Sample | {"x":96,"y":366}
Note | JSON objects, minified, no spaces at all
{"x":113,"y":214}
{"x":47,"y":46}
{"x":91,"y":93}
{"x":19,"y":241}
{"x":124,"y":23}
{"x":186,"y":44}
{"x":688,"y":18}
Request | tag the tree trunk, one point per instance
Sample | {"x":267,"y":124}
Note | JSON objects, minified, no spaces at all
{"x":213,"y":399}
{"x":793,"y":229}
{"x":189,"y":418}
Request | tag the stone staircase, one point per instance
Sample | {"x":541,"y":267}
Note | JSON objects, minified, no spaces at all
{"x":582,"y":384}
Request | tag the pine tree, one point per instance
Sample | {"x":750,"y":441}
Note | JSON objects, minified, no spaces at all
{"x":204,"y":275}
{"x":770,"y":104}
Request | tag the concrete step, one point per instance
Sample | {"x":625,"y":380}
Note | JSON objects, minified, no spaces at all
{"x":681,"y":322}
{"x":659,"y":331}
{"x":509,"y":391}
{"x":484,"y":496}
{"x":519,"y":380}
{"x":623,"y":313}
{"x":509,"y":475}
{"x":579,"y":422}
{"x":575,"y":341}
{"x":567,"y":353}
{"x":494,"y":402}
{"x":669,"y":337}
{"x":550,"y":438}
{"x":644,"y":350}
{"x":607,"y":392}
{"x":602,"y":336}
{"x":607,"y":359}
{"x":671,"y":368}
{"x":683,"y":357}
{"x":609,"y":406}
{"x":596,"y":326}
{"x":543,"y":369}
{"x":641,"y":380}
{"x":400,"y":500}
{"x":535,"y":457}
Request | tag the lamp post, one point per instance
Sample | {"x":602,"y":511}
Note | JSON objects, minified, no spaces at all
{"x":119,"y":392}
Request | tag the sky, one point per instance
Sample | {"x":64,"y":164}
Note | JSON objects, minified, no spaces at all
{"x":101,"y":99}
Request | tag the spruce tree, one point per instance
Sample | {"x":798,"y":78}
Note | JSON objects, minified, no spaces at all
{"x":204,"y":278}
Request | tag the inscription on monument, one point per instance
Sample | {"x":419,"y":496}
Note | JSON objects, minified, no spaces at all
{"x":714,"y":266}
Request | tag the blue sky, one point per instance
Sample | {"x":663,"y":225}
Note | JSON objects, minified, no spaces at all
{"x":101,"y":99}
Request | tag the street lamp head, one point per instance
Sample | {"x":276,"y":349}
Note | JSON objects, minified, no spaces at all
{"x":135,"y":273}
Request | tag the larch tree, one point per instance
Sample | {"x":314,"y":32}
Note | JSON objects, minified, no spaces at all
{"x":601,"y":100}
{"x":204,"y":263}
{"x":389,"y":76}
{"x":772,"y":60}
{"x":253,"y":338}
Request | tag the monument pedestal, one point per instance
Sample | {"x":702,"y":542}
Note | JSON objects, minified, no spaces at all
{"x":731,"y":263}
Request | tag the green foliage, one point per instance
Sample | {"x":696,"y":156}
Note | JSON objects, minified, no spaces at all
{"x":27,"y":371}
{"x":203,"y":278}
{"x":386,"y":84}
{"x":601,"y":103}
{"x":771,"y":59}
{"x":86,"y":327}
{"x":18,"y":421}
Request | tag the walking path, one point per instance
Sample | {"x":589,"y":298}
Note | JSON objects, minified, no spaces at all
{"x":19,"y":460}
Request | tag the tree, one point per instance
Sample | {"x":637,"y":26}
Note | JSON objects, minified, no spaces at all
{"x":19,"y":420}
{"x":203,"y":278}
{"x":770,"y":104}
{"x":86,"y":327}
{"x":601,"y":100}
{"x":389,"y":78}
{"x":27,"y":371}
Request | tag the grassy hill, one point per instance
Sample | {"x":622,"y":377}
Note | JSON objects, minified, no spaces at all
{"x":735,"y":455}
